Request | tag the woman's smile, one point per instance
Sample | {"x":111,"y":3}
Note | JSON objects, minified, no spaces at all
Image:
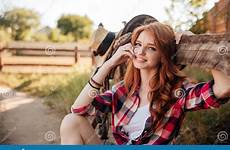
{"x":140,"y":59}
{"x":146,"y":55}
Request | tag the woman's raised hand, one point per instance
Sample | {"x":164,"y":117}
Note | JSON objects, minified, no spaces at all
{"x":122,"y":54}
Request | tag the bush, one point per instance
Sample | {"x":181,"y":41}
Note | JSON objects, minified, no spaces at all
{"x":64,"y":95}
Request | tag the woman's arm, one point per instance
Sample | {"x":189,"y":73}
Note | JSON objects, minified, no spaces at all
{"x":122,"y":55}
{"x":85,"y":97}
{"x":200,"y":96}
{"x":221,"y":87}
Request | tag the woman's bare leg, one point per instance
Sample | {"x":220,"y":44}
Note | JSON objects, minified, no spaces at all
{"x":76,"y":129}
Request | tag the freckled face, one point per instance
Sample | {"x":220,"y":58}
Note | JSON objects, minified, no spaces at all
{"x":147,"y":55}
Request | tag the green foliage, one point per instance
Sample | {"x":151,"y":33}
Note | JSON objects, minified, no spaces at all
{"x":4,"y":35}
{"x":40,"y":37}
{"x":80,"y":27}
{"x":22,"y":24}
{"x":64,"y":96}
{"x":21,"y":21}
{"x":197,"y":74}
{"x":57,"y":36}
{"x":201,"y":25}
{"x":202,"y":127}
{"x":187,"y":13}
{"x":197,"y":3}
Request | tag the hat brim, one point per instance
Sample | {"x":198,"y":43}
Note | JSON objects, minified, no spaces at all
{"x":106,"y":43}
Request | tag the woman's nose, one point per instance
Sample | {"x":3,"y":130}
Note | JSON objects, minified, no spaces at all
{"x":140,"y":50}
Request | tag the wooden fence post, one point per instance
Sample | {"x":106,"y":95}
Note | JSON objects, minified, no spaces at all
{"x":1,"y":49}
{"x":93,"y":59}
{"x":76,"y":54}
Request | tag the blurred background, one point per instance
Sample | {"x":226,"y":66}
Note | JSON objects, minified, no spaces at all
{"x":45,"y":61}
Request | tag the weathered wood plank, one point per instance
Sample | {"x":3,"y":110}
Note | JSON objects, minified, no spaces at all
{"x":42,"y":53}
{"x":33,"y":60}
{"x":209,"y":51}
{"x":85,"y":54}
{"x":46,"y":45}
{"x":40,"y":45}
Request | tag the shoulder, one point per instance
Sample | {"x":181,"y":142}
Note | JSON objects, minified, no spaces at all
{"x":189,"y":83}
{"x":186,"y":84}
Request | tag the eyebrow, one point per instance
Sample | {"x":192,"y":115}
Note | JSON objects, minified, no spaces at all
{"x":149,"y":44}
{"x":138,"y":41}
{"x":152,"y":44}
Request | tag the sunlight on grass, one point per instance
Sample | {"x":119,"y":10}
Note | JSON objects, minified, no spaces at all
{"x":58,"y":90}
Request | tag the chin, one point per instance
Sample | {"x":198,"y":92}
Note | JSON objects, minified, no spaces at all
{"x":140,"y":66}
{"x":143,"y":65}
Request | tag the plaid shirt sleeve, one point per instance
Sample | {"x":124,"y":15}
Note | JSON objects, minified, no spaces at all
{"x":101,"y":102}
{"x":201,"y":96}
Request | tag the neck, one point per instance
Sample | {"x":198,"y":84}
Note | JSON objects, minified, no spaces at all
{"x":146,"y":76}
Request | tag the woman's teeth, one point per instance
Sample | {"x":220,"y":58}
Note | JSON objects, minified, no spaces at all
{"x":140,"y":59}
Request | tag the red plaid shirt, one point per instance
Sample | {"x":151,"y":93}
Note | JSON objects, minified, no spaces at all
{"x":194,"y":97}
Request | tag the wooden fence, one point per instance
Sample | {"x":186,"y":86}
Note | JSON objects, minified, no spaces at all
{"x":40,"y":57}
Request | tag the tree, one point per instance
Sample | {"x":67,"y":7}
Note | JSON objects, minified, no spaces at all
{"x":201,"y":25}
{"x":79,"y":26}
{"x":21,"y":22}
{"x":182,"y":14}
{"x":4,"y":36}
{"x":56,"y":36}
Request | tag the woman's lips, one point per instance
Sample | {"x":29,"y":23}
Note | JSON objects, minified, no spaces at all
{"x":140,"y":59}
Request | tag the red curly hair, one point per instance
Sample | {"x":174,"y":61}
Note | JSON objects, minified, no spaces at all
{"x":168,"y":77}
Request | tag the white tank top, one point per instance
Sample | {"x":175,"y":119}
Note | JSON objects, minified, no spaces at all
{"x":137,"y":123}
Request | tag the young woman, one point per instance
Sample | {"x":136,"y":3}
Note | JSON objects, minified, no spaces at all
{"x":149,"y":105}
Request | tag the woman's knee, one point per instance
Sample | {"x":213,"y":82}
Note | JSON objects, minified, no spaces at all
{"x":71,"y":122}
{"x":70,"y":129}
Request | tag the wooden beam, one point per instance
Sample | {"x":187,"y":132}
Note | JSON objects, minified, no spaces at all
{"x":40,"y":45}
{"x":41,"y":53}
{"x":209,"y":51}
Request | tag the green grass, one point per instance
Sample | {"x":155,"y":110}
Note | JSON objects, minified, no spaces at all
{"x":197,"y":74}
{"x":64,"y":95}
{"x":58,"y":90}
{"x":202,"y":127}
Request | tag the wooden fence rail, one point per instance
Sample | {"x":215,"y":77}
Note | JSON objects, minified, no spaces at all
{"x":34,"y":57}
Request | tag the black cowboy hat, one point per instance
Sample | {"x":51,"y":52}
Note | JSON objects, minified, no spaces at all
{"x":101,"y":40}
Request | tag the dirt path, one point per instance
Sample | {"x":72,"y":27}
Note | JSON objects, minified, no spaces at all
{"x":26,"y":120}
